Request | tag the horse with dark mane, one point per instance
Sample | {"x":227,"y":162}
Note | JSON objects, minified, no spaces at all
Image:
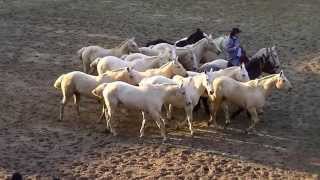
{"x":193,"y":38}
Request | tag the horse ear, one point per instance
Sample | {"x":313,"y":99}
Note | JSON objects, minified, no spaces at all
{"x":242,"y":65}
{"x":210,"y":36}
{"x":211,"y":70}
{"x":281,"y":73}
{"x":174,"y":51}
{"x":181,"y":85}
{"x":132,"y":39}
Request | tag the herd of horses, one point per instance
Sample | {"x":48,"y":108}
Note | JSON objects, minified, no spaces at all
{"x":171,"y":75}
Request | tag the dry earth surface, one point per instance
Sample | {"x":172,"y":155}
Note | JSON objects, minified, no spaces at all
{"x":39,"y":40}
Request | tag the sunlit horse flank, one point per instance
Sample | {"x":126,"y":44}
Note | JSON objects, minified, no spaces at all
{"x":250,"y":95}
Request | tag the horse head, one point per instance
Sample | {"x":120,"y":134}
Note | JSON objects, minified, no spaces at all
{"x":283,"y":82}
{"x":132,"y":45}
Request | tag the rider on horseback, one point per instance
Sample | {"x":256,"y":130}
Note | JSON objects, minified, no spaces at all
{"x":234,"y":51}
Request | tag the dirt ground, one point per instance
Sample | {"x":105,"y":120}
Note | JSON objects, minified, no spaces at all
{"x":39,"y":40}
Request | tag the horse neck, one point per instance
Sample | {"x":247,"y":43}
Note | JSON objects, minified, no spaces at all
{"x":199,"y":83}
{"x":166,"y":71}
{"x":218,"y":42}
{"x":169,"y":93}
{"x":152,"y":61}
{"x":138,"y":76}
{"x":254,"y":68}
{"x":124,"y":48}
{"x":199,"y":48}
{"x":267,"y":84}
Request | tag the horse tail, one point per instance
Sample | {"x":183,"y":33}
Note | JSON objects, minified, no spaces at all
{"x":80,"y":52}
{"x":57,"y":83}
{"x":95,"y":62}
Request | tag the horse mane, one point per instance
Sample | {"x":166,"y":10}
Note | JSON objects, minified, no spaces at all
{"x":165,"y":65}
{"x":123,"y":43}
{"x":259,"y":54}
{"x":229,"y":69}
{"x":197,"y":43}
{"x":256,"y":82}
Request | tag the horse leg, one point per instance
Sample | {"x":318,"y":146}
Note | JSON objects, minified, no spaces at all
{"x":216,"y":103}
{"x":157,"y":118}
{"x":110,"y":120}
{"x":65,"y":98}
{"x":62,"y":104}
{"x":76,"y":97}
{"x":102,"y":113}
{"x":254,"y":118}
{"x":86,"y":66}
{"x":143,"y":124}
{"x":189,"y":119}
{"x":226,"y":113}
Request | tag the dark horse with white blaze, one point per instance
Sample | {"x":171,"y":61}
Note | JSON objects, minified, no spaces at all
{"x":193,"y":38}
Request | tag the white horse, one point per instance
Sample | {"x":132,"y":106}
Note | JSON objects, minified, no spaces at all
{"x":134,"y":56}
{"x":142,"y":64}
{"x":196,"y":51}
{"x":90,"y":53}
{"x":238,"y":73}
{"x":168,"y":70}
{"x":195,"y":87}
{"x":265,"y":54}
{"x":250,"y":95}
{"x":149,"y":99}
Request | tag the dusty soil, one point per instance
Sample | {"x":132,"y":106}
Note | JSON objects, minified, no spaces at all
{"x":39,"y":40}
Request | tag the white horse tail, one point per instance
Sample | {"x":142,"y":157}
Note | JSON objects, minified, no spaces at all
{"x":95,"y":62}
{"x":57,"y":83}
{"x":80,"y":52}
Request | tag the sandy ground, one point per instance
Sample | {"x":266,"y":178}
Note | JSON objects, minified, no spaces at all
{"x":39,"y":40}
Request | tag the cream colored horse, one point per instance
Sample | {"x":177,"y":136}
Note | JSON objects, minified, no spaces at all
{"x":76,"y":84}
{"x":250,"y":95}
{"x":149,"y":99}
{"x":90,"y":53}
{"x":141,"y":64}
